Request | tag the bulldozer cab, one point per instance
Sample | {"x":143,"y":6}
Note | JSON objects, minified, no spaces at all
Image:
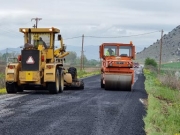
{"x":39,"y":36}
{"x":40,"y":39}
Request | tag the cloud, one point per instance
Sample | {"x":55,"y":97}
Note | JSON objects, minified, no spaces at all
{"x":91,"y":18}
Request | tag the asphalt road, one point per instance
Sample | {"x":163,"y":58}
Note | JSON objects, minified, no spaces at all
{"x":92,"y":111}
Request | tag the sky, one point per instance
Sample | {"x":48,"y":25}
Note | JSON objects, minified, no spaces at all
{"x":117,"y":20}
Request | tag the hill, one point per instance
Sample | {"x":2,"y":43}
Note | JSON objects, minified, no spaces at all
{"x":170,"y":48}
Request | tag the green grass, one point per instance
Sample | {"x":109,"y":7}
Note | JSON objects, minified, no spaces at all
{"x":163,"y":111}
{"x":174,"y":65}
{"x":82,"y":74}
{"x":3,"y":91}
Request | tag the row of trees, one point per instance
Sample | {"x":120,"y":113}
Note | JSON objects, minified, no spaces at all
{"x":71,"y":59}
{"x":4,"y":56}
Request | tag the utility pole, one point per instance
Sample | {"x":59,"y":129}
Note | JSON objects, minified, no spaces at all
{"x":82,"y":53}
{"x":36,"y":19}
{"x":160,"y":53}
{"x":6,"y":55}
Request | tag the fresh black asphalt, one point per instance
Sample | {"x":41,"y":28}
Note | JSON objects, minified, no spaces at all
{"x":92,"y":111}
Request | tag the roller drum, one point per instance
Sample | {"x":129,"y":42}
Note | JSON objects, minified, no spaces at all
{"x":116,"y":81}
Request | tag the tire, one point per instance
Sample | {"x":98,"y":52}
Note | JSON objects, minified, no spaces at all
{"x":73,"y":72}
{"x":102,"y":85}
{"x":53,"y":87}
{"x":19,"y":89}
{"x":11,"y":87}
{"x":61,"y":80}
{"x":81,"y":85}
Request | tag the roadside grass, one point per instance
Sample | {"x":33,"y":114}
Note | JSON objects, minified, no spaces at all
{"x":83,"y":73}
{"x":163,"y":110}
{"x":3,"y":91}
{"x":2,"y":84}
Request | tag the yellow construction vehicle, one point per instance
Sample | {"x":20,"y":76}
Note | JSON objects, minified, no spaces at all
{"x":40,"y":66}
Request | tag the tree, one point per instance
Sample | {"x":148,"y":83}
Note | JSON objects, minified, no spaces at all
{"x":78,"y":60}
{"x":93,"y":62}
{"x":85,"y":60}
{"x":9,"y":55}
{"x":150,"y":62}
{"x":71,"y":58}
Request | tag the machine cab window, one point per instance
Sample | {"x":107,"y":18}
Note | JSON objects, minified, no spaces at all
{"x":122,"y":51}
{"x":40,"y":39}
{"x":125,"y":51}
{"x":110,"y":50}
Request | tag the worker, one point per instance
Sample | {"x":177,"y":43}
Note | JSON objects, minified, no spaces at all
{"x":109,"y":52}
{"x":28,"y":45}
{"x":41,"y":42}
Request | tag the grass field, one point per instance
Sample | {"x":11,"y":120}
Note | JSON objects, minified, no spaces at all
{"x":174,"y":65}
{"x":163,"y":110}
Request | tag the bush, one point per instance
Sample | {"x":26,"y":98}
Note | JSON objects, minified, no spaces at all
{"x":2,"y":81}
{"x":150,"y":62}
{"x":2,"y":76}
{"x":170,"y":79}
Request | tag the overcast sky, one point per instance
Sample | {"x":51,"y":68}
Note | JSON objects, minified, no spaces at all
{"x":110,"y":18}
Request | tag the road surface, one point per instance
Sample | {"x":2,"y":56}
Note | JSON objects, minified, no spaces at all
{"x":92,"y":111}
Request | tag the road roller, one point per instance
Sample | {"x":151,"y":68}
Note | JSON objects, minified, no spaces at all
{"x":117,"y":71}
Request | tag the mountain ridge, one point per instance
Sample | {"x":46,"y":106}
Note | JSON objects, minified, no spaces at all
{"x":170,"y":48}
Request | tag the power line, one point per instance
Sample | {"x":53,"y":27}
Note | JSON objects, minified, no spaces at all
{"x":8,"y":32}
{"x":73,"y":37}
{"x":9,"y":29}
{"x":112,"y":37}
{"x":123,"y":36}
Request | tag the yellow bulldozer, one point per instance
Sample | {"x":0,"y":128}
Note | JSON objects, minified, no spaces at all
{"x":40,"y":66}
